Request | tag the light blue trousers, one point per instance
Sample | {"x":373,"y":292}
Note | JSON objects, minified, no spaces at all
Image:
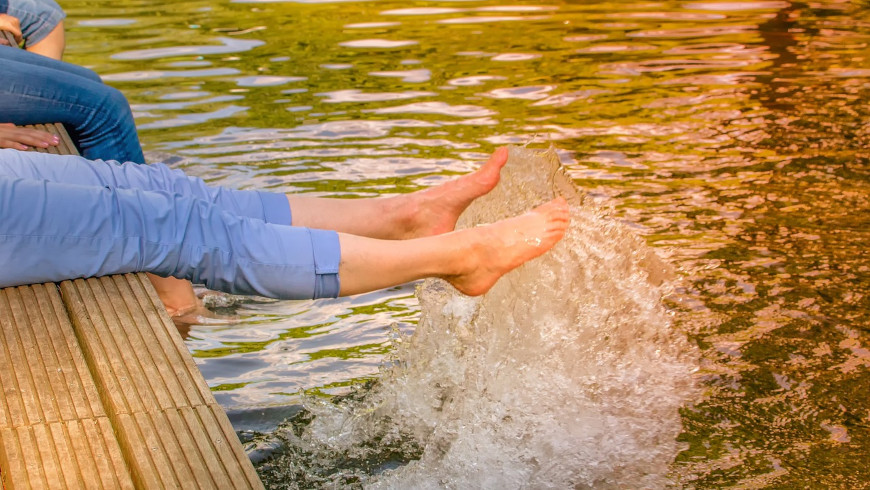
{"x":66,"y":217}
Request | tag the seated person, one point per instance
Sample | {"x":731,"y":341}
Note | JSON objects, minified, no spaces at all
{"x":66,"y":217}
{"x":37,"y":90}
{"x":40,"y":90}
{"x":39,"y":23}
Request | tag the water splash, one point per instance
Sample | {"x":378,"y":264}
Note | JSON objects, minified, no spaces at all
{"x":567,"y":374}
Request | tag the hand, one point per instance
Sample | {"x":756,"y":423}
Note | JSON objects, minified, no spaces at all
{"x":11,"y":136}
{"x":11,"y":24}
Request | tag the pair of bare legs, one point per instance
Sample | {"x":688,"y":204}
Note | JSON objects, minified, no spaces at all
{"x":390,"y":241}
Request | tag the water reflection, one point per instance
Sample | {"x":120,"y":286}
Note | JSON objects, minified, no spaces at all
{"x":732,"y":135}
{"x":228,"y":45}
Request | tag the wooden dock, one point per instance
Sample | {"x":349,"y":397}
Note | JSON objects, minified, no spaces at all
{"x":99,"y":390}
{"x":8,"y":37}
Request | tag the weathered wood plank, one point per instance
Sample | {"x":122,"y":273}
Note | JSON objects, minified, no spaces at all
{"x":48,"y":394}
{"x":147,"y":310}
{"x":8,"y":37}
{"x":175,"y":432}
{"x":98,"y":456}
{"x":187,"y":441}
{"x":66,"y":145}
{"x":21,"y":394}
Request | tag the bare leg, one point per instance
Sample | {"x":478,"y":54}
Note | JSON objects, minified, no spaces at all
{"x":472,"y":260}
{"x":369,"y":228}
{"x":51,"y":45}
{"x":176,"y":295}
{"x":419,"y":214}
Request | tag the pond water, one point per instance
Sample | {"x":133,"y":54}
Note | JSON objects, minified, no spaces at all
{"x":732,"y":136}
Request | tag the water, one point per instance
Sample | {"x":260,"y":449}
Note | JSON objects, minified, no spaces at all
{"x":730,"y":136}
{"x":567,"y":374}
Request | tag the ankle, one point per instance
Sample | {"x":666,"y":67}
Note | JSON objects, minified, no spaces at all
{"x":404,"y":212}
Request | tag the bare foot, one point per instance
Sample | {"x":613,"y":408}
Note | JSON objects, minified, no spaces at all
{"x":435,"y":211}
{"x":498,"y":248}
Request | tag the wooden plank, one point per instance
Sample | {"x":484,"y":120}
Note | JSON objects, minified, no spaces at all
{"x":49,"y":393}
{"x":11,"y":458}
{"x":66,"y":143}
{"x":99,"y":456}
{"x":8,"y":37}
{"x":48,"y":455}
{"x":169,"y":346}
{"x":74,"y":374}
{"x":187,"y":441}
{"x":106,"y":362}
{"x":34,"y":476}
{"x":11,"y":407}
{"x":238,"y":453}
{"x":209,"y":456}
{"x":64,"y":147}
{"x":69,"y":468}
{"x":143,"y":339}
{"x":120,"y":312}
{"x":219,"y":442}
{"x":23,"y":401}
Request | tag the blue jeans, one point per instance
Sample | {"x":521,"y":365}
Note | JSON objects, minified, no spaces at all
{"x":66,"y":217}
{"x":35,"y":90}
{"x":37,"y":17}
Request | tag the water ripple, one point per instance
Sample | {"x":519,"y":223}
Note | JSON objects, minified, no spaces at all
{"x":437,"y":108}
{"x":532,"y":92}
{"x":229,"y":45}
{"x":407,"y":76}
{"x":134,"y":76}
{"x":377,"y":43}
{"x":267,"y":81}
{"x":339,"y":96}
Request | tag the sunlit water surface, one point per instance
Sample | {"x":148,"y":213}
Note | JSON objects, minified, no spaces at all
{"x":731,"y":136}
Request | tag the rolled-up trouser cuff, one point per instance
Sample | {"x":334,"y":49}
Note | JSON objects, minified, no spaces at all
{"x":327,"y":256}
{"x":276,"y":208}
{"x":37,"y":19}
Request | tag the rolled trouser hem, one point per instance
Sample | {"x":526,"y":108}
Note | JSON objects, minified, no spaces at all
{"x":327,"y":257}
{"x":276,"y":208}
{"x":37,"y":20}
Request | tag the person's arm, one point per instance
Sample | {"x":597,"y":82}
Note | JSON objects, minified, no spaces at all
{"x":12,"y":136}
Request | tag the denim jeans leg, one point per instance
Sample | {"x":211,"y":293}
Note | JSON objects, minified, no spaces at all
{"x":39,"y":90}
{"x":22,"y":56}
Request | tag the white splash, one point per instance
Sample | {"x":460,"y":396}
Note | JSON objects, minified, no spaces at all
{"x":567,"y":374}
